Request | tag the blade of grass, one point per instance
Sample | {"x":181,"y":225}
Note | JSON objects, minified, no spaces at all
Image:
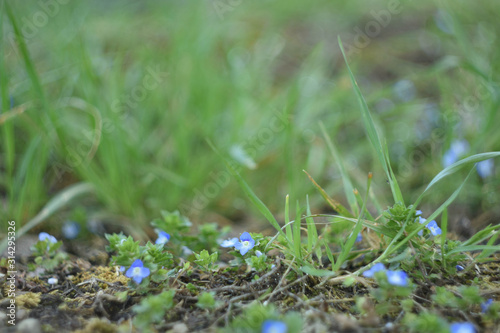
{"x":288,"y":226}
{"x":346,"y":249}
{"x":337,"y":206}
{"x":444,"y":232}
{"x":372,"y":132}
{"x":346,"y":179}
{"x":312,"y":232}
{"x":296,"y":234}
{"x":261,"y":207}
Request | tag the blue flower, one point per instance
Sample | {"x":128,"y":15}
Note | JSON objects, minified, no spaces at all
{"x":52,"y":281}
{"x":462,"y":328}
{"x":229,"y":242}
{"x":458,"y":148}
{"x":486,"y":305}
{"x":258,"y":253}
{"x":397,"y":278}
{"x":376,"y":268}
{"x":274,"y":326}
{"x":45,"y":236}
{"x":137,"y":271}
{"x":434,"y":228}
{"x":70,"y":229}
{"x":245,"y":244}
{"x":163,"y":238}
{"x":359,"y":238}
{"x":122,"y":269}
{"x":459,"y":268}
{"x":485,"y":168}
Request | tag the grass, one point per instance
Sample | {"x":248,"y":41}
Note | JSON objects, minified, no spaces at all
{"x":121,"y":98}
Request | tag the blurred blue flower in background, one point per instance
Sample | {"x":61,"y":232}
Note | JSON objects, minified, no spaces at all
{"x":163,"y":238}
{"x":462,"y":328}
{"x":45,"y":236}
{"x":458,"y":148}
{"x":397,"y":278}
{"x":376,"y":268}
{"x":274,"y":326}
{"x":485,"y":168}
{"x":70,"y":229}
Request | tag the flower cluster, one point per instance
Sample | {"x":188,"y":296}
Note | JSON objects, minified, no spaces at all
{"x":244,"y":244}
{"x":432,"y":225}
{"x":396,"y":278}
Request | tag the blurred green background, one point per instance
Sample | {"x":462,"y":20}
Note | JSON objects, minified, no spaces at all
{"x":123,"y":95}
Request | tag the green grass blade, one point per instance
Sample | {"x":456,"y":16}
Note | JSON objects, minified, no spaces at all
{"x":346,"y":179}
{"x":254,"y":199}
{"x":461,"y":164}
{"x":444,"y":232}
{"x":296,"y":233}
{"x":371,"y":131}
{"x":288,"y":225}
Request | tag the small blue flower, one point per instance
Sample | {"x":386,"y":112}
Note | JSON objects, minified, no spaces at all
{"x":462,"y":328}
{"x":70,"y":229}
{"x":434,"y":228}
{"x":229,"y":242}
{"x":245,"y":244}
{"x":485,"y":168}
{"x":258,"y":253}
{"x":274,"y":326}
{"x":137,"y":271}
{"x":397,"y":278}
{"x":458,"y":148}
{"x":45,"y":236}
{"x":376,"y":268}
{"x":52,"y":281}
{"x":486,"y":305}
{"x":459,"y":268}
{"x":163,"y":238}
{"x":359,"y":238}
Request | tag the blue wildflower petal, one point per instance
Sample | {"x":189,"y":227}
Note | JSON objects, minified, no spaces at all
{"x":137,"y":271}
{"x":397,"y":278}
{"x":462,"y":328}
{"x":459,"y":268}
{"x":45,"y":236}
{"x":376,"y":268}
{"x":449,"y":158}
{"x":486,"y":305}
{"x":434,"y":228}
{"x":359,"y":238}
{"x":246,"y":243}
{"x":274,"y":326}
{"x":229,"y":242}
{"x":485,"y":168}
{"x":258,"y":253}
{"x":163,"y":238}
